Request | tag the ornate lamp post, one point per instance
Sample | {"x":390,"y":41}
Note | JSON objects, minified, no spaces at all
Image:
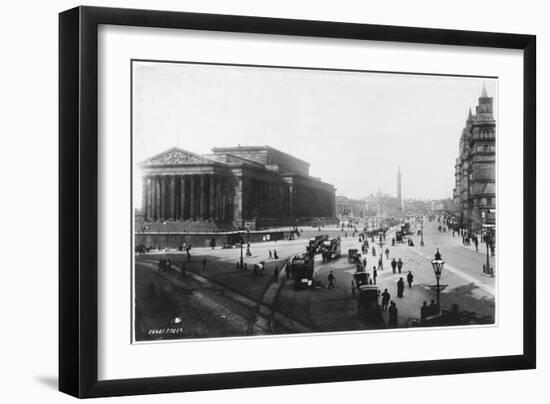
{"x":242,"y":242}
{"x":437,"y":264}
{"x":381,"y":244}
{"x":422,"y":232}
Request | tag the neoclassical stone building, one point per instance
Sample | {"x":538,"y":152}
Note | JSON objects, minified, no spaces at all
{"x":474,"y":192}
{"x":233,"y":185}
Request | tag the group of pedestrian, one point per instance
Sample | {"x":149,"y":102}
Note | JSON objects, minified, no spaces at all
{"x":389,"y":306}
{"x":273,"y":255}
{"x":396,"y":264}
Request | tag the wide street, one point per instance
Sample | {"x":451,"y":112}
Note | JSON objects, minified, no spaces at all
{"x":221,"y":300}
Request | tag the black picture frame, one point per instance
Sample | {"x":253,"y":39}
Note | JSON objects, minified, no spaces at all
{"x":78,"y":200}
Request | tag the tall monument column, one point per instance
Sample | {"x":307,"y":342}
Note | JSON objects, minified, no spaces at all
{"x":399,"y":197}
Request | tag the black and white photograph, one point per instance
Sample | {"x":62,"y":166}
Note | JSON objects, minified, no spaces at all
{"x":273,"y":200}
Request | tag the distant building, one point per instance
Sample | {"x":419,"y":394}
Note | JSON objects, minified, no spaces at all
{"x":233,"y":187}
{"x":441,"y":205}
{"x":474,"y":193}
{"x":383,"y":205}
{"x":350,"y":208}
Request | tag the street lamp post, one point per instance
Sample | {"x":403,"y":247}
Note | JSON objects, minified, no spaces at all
{"x":488,"y":242}
{"x":242,"y":242}
{"x":437,"y":264}
{"x":381,"y":244}
{"x":422,"y":233}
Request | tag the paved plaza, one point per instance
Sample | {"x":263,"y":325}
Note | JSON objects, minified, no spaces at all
{"x":212,"y":297}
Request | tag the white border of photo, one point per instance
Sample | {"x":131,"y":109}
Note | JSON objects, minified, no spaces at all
{"x":118,"y":358}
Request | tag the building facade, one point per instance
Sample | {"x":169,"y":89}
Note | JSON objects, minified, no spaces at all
{"x":383,"y":205}
{"x":475,"y":193}
{"x":259,"y":186}
{"x":350,"y":208}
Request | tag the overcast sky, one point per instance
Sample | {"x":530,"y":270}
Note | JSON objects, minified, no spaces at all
{"x":354,"y":128}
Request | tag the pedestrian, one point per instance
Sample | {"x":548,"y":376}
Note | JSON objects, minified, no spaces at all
{"x":352,"y":288}
{"x":287,"y":271}
{"x":331,"y":280}
{"x":188,"y":254}
{"x":374,"y":275}
{"x":270,"y":256}
{"x":275,"y":255}
{"x":393,"y":314}
{"x":385,"y":299}
{"x":410,"y":278}
{"x":373,"y":252}
{"x":400,"y":287}
{"x":393,"y":265}
{"x":399,"y":265}
{"x":276,"y":274}
{"x":204,"y":263}
{"x":387,"y":253}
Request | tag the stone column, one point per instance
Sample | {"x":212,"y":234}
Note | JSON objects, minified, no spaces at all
{"x":158,"y":197}
{"x":218,"y":214}
{"x":172,"y":197}
{"x":192,"y":196}
{"x":163,"y":197}
{"x":149,"y":198}
{"x":202,"y":204}
{"x":212,"y":197}
{"x":144,"y":197}
{"x":183,"y":195}
{"x":154,"y":198}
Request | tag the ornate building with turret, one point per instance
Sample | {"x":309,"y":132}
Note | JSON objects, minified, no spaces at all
{"x":475,"y":193}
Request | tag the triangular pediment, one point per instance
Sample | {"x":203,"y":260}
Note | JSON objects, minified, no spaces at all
{"x":175,"y":157}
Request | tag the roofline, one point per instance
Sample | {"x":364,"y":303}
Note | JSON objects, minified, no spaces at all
{"x":142,"y":163}
{"x":245,"y":148}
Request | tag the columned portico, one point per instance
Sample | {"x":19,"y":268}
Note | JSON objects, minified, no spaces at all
{"x":223,"y":188}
